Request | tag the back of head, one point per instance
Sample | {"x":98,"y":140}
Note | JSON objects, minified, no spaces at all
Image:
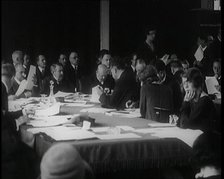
{"x":207,"y":150}
{"x":160,"y":65}
{"x":118,"y":62}
{"x":62,"y":161}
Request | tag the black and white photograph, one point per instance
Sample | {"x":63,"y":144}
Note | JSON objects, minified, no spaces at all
{"x":111,"y":89}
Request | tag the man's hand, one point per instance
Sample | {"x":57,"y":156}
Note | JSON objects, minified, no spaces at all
{"x":189,"y":95}
{"x":21,"y":120}
{"x":28,"y":111}
{"x":99,"y":90}
{"x":28,"y":94}
{"x":12,"y":97}
{"x":130,"y":104}
{"x":218,"y":87}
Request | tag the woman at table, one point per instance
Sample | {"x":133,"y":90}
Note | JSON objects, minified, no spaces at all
{"x":198,"y":110}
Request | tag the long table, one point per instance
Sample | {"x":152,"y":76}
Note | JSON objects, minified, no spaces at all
{"x":105,"y":156}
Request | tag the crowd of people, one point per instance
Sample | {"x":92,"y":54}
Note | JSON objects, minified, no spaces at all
{"x":160,"y":87}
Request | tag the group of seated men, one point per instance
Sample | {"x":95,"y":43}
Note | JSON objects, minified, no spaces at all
{"x":162,"y":88}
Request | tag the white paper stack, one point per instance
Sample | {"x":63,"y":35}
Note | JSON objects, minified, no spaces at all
{"x":211,"y":82}
{"x":52,"y":110}
{"x":94,"y":97}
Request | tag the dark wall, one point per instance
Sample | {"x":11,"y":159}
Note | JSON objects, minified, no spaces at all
{"x":50,"y":27}
{"x":128,"y":20}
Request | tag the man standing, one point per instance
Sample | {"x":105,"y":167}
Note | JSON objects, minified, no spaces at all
{"x":72,"y":72}
{"x":41,"y":71}
{"x":148,"y":50}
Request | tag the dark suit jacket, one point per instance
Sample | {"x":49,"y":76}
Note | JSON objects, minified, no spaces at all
{"x":156,"y":102}
{"x":58,"y":86}
{"x":146,"y":52}
{"x":216,"y":48}
{"x":17,"y":159}
{"x":40,"y":79}
{"x":73,"y":76}
{"x":125,"y":89}
{"x":198,"y":115}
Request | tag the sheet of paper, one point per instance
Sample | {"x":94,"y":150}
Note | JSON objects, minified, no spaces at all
{"x":161,"y":125}
{"x":32,"y":73}
{"x":54,"y":109}
{"x":48,"y":121}
{"x":153,"y":129}
{"x":126,"y":128}
{"x":199,"y":54}
{"x":123,"y":114}
{"x":211,"y":82}
{"x":21,"y":88}
{"x":95,"y":97}
{"x":97,"y":110}
{"x":62,"y":94}
{"x":188,"y":136}
{"x":77,"y":105}
{"x":118,"y":136}
{"x":99,"y":129}
{"x":68,"y":134}
{"x":86,"y":125}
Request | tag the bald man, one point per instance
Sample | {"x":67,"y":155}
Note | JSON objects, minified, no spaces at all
{"x":17,"y":57}
{"x":103,"y":79}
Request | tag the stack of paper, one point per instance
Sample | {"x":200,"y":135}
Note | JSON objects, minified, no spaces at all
{"x":118,"y":136}
{"x":77,"y":104}
{"x":21,"y":88}
{"x":97,"y":110}
{"x":211,"y":82}
{"x":54,"y":109}
{"x":188,"y":136}
{"x":124,"y":113}
{"x":68,"y":134}
{"x":62,"y":94}
{"x":32,"y":73}
{"x":95,"y":97}
{"x":199,"y":54}
{"x":48,"y":121}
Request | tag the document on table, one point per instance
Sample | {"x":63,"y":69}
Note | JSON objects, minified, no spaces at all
{"x":97,"y":110}
{"x":77,"y":105}
{"x":32,"y":73}
{"x":211,"y":82}
{"x":21,"y":88}
{"x":161,"y":125}
{"x":95,"y":97}
{"x":126,"y":114}
{"x":62,"y":94}
{"x":126,"y":128}
{"x":69,"y":134}
{"x":52,"y":110}
{"x":188,"y":136}
{"x":118,"y":136}
{"x":48,"y":121}
{"x":199,"y":54}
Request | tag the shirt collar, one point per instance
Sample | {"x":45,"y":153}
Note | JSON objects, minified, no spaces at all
{"x":133,"y":68}
{"x":17,"y":81}
{"x":41,"y":69}
{"x":5,"y":86}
